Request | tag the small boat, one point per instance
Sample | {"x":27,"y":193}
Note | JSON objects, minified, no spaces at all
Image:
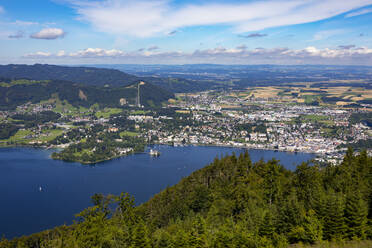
{"x":154,"y":153}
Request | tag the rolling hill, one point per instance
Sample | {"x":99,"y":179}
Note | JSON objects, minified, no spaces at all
{"x":17,"y":92}
{"x":99,"y":77}
{"x":82,"y":75}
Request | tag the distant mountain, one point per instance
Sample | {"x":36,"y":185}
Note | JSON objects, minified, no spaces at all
{"x":99,"y":77}
{"x":82,"y":75}
{"x":211,"y":76}
{"x":18,"y":92}
{"x":181,"y":85}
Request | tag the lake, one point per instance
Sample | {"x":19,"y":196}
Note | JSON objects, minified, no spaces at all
{"x":38,"y":193}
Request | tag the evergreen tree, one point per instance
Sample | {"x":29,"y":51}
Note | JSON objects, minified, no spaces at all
{"x":356,"y":212}
{"x":197,"y":237}
{"x":164,"y":241}
{"x":349,"y":157}
{"x":90,"y":231}
{"x":334,"y":222}
{"x":140,"y":236}
{"x":223,"y":239}
{"x":313,"y":228}
{"x":181,"y":239}
{"x":267,"y":227}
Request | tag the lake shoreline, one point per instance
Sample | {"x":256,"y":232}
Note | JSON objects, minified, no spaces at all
{"x":149,"y":145}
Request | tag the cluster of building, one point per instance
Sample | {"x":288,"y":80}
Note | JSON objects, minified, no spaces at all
{"x":217,"y":120}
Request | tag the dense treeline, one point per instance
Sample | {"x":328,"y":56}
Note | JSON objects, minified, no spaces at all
{"x":80,"y":95}
{"x":231,"y":203}
{"x":92,"y":76}
{"x":360,"y":145}
{"x":7,"y":130}
{"x":82,"y":75}
{"x":38,"y":118}
{"x":365,"y":118}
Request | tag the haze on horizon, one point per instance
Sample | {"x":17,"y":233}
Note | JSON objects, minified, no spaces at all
{"x":186,"y":32}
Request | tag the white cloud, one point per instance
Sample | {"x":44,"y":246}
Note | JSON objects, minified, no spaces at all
{"x":38,"y":55}
{"x":1,"y":10}
{"x":359,"y":12}
{"x":220,"y":55}
{"x":61,"y":53}
{"x":145,"y":18}
{"x":49,"y":34}
{"x":97,"y":52}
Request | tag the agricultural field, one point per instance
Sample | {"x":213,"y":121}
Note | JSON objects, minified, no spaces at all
{"x":341,"y":96}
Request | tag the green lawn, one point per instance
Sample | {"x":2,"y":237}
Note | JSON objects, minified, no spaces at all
{"x":315,"y":117}
{"x":128,"y":133}
{"x":21,"y":82}
{"x":51,"y":134}
{"x":19,"y":136}
{"x":310,"y":98}
{"x":107,"y":112}
{"x":139,"y":112}
{"x":64,"y":107}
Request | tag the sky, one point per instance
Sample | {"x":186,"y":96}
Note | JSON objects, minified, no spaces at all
{"x":337,"y":32}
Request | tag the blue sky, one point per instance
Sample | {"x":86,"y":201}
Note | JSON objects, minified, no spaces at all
{"x":180,"y":31}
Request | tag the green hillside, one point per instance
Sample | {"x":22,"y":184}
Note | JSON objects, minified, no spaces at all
{"x":232,"y":203}
{"x":18,"y":92}
{"x":82,"y":75}
{"x":97,"y":77}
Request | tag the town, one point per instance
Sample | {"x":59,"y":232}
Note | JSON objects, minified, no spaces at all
{"x":211,"y":118}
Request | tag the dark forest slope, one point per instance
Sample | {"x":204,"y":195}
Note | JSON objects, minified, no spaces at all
{"x":82,"y":75}
{"x":97,"y":77}
{"x":18,"y":92}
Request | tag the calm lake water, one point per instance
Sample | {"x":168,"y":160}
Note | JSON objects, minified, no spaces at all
{"x":66,"y":188}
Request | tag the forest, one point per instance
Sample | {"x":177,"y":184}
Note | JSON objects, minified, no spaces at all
{"x":91,"y":76}
{"x":82,"y":75}
{"x":12,"y":96}
{"x":231,"y":202}
{"x":7,"y":130}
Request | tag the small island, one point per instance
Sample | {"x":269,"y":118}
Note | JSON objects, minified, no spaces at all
{"x":100,"y":145}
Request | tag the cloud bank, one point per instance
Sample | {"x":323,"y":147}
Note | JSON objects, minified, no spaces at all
{"x":359,"y":12}
{"x":254,"y":35}
{"x":144,"y":18}
{"x":342,"y":55}
{"x":18,"y":35}
{"x":49,"y":34}
{"x":153,"y":48}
